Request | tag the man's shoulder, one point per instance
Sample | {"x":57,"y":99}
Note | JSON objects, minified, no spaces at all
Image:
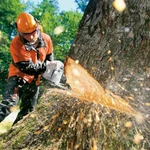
{"x":45,"y":36}
{"x":16,"y":41}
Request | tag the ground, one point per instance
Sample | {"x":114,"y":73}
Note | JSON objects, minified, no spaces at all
{"x":62,"y":122}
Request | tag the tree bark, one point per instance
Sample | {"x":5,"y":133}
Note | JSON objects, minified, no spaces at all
{"x":115,"y":48}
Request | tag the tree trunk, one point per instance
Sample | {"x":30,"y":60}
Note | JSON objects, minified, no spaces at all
{"x":115,"y":48}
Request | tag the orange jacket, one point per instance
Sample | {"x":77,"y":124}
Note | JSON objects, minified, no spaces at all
{"x":19,"y":53}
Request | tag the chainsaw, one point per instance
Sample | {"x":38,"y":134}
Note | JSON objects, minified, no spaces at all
{"x":54,"y":74}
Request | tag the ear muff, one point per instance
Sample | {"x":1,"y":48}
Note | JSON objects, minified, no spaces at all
{"x":15,"y":24}
{"x":40,"y":27}
{"x":37,"y":21}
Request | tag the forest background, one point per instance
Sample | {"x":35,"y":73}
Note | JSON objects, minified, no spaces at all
{"x":60,"y":25}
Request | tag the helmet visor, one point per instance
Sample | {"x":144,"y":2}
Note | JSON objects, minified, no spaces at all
{"x":24,"y":34}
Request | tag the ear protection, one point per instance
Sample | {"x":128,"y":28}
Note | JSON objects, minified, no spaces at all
{"x":37,"y":21}
{"x":15,"y":24}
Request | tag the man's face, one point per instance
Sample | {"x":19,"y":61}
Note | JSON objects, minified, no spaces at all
{"x":31,"y":37}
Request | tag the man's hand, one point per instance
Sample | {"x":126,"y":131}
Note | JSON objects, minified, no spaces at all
{"x":39,"y":67}
{"x":30,"y":68}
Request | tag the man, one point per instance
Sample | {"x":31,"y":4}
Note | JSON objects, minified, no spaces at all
{"x":30,"y":50}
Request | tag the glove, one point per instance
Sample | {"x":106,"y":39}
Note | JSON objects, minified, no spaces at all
{"x":30,"y":68}
{"x":39,"y":67}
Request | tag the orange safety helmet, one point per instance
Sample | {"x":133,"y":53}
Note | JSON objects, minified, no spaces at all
{"x":26,"y":23}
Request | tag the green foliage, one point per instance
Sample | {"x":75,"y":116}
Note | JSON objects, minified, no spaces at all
{"x":82,"y":4}
{"x":4,"y":59}
{"x":62,"y":42}
{"x":47,"y":14}
{"x":8,"y":11}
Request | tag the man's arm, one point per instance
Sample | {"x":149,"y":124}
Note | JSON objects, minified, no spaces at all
{"x":50,"y":57}
{"x":30,"y":68}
